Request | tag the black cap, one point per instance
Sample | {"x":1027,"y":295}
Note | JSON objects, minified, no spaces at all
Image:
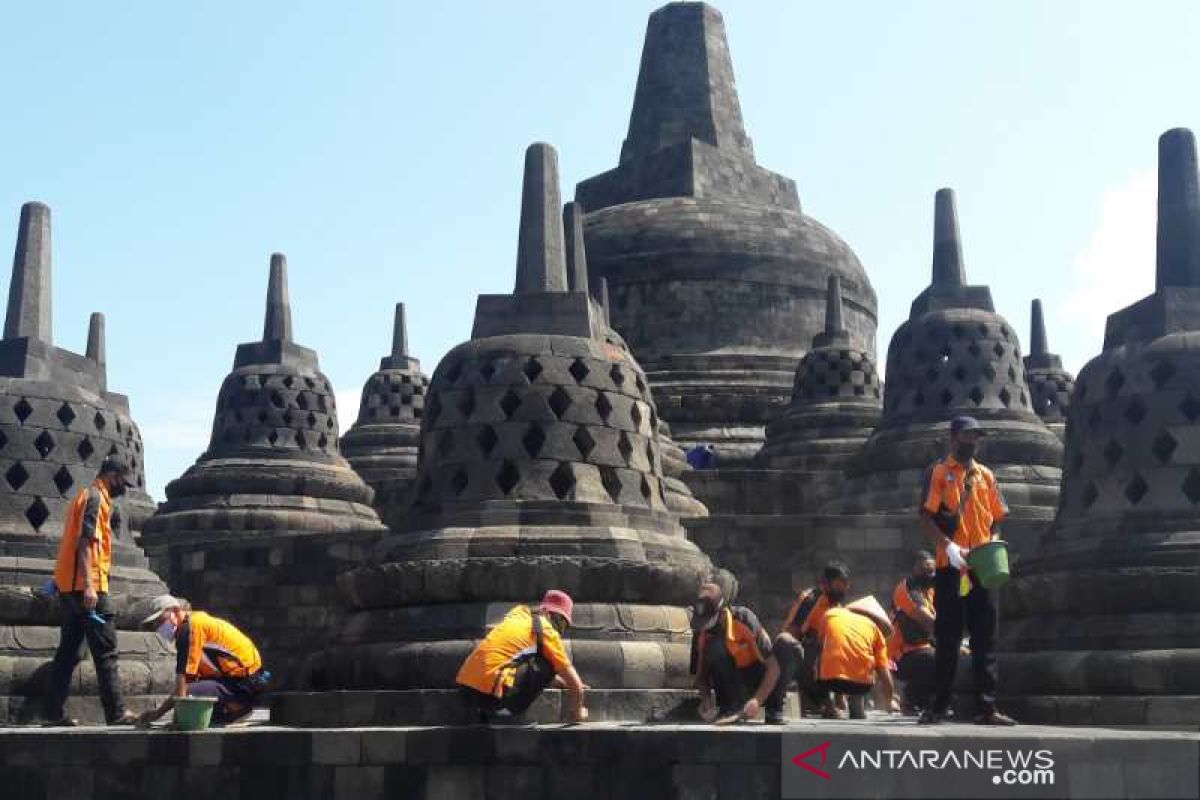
{"x":115,"y":464}
{"x":960,"y":424}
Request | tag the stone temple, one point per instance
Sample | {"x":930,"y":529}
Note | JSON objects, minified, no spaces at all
{"x":541,"y":467}
{"x":259,"y":526}
{"x":1050,"y":385}
{"x":716,"y":277}
{"x":58,"y":421}
{"x":382,"y":445}
{"x":1102,"y":625}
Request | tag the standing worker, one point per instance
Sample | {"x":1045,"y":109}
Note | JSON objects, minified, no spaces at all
{"x":212,"y":659}
{"x":81,"y":580}
{"x":962,"y":509}
{"x":520,"y":658}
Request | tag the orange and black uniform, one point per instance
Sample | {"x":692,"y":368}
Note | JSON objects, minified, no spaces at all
{"x":803,"y":622}
{"x":911,"y":645}
{"x":972,"y":502}
{"x":219,"y":661}
{"x":91,"y":520}
{"x":852,"y":649}
{"x":731,"y":658}
{"x":514,"y":663}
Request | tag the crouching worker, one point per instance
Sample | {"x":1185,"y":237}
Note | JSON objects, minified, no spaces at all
{"x":853,"y":656}
{"x":911,"y":645}
{"x":212,"y":659}
{"x":520,"y":658}
{"x":732,"y":657}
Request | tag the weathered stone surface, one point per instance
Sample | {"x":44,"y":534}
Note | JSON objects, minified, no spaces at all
{"x":541,"y":467}
{"x":717,"y":278}
{"x":1050,"y":385}
{"x":58,"y":422}
{"x":1115,"y":576}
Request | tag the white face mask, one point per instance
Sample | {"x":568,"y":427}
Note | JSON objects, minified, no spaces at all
{"x":167,"y":630}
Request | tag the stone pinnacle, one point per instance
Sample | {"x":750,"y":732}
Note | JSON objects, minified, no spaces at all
{"x":400,"y":334}
{"x":1037,"y":331}
{"x":1178,"y":210}
{"x":541,"y":260}
{"x":95,"y":344}
{"x":833,"y":306}
{"x":947,"y":246}
{"x":29,"y":293}
{"x":278,"y":325}
{"x":604,"y":300}
{"x":577,"y":279}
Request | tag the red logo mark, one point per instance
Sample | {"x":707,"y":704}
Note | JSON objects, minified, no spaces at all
{"x":823,"y":749}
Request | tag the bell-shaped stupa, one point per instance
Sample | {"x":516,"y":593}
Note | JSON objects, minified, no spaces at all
{"x":57,"y":423}
{"x":1050,"y":385}
{"x":717,"y":278}
{"x":541,"y":467}
{"x":1101,"y":625}
{"x":382,"y":445}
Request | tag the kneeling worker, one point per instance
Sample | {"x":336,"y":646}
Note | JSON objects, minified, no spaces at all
{"x":911,"y":645}
{"x":212,"y":659}
{"x":853,"y":655}
{"x":522,"y":656}
{"x":733,"y":657}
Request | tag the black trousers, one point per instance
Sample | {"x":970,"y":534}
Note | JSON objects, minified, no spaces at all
{"x":734,"y":686}
{"x":978,"y":612}
{"x":532,"y":678}
{"x":235,"y":696}
{"x":77,"y":625}
{"x":918,"y":670}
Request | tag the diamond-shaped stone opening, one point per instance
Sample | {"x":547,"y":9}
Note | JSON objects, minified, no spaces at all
{"x":507,"y":477}
{"x":486,"y":372}
{"x":37,"y":513}
{"x":273,"y":436}
{"x":287,"y":418}
{"x":640,"y":384}
{"x":1136,"y":489}
{"x":277,"y":400}
{"x":65,"y":414}
{"x":3,"y":440}
{"x":532,"y":368}
{"x":1135,"y":412}
{"x":1114,"y":382}
{"x":1164,"y":446}
{"x":1005,"y":397}
{"x":445,"y":443}
{"x":509,"y":403}
{"x":635,"y":414}
{"x":945,"y":353}
{"x":16,"y":475}
{"x":559,"y":401}
{"x":466,"y":404}
{"x":647,"y":491}
{"x":99,"y":421}
{"x":301,"y":441}
{"x":1190,"y":407}
{"x":1191,"y":486}
{"x":947,"y":397}
{"x":289,"y":381}
{"x":1113,"y":452}
{"x":322,"y":441}
{"x":1090,"y":493}
{"x":998,"y":349}
{"x":459,"y":481}
{"x":650,"y":454}
{"x":22,"y":409}
{"x":579,"y":370}
{"x":584,"y":441}
{"x":603,"y":406}
{"x":44,"y":443}
{"x":533,"y":440}
{"x":611,"y":482}
{"x":302,"y":401}
{"x":1012,"y":375}
{"x":624,"y":447}
{"x":974,"y":349}
{"x":617,"y":374}
{"x":63,"y":480}
{"x":487,"y":439}
{"x":311,"y":419}
{"x":976,"y":395}
{"x":562,"y":480}
{"x":1162,"y":372}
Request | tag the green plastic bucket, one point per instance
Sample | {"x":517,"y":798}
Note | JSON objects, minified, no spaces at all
{"x":989,"y":562}
{"x":193,"y":713}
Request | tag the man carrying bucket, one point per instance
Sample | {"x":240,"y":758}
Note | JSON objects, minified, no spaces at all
{"x":961,"y":512}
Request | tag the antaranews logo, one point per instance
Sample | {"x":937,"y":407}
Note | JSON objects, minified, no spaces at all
{"x":929,"y":772}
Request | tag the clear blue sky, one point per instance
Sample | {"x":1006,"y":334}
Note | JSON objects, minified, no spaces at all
{"x":379,"y":145}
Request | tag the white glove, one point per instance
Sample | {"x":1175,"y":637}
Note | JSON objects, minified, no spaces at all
{"x":956,"y":555}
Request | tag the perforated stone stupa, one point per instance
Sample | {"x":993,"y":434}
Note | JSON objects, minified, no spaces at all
{"x":382,"y":445}
{"x":1050,"y":385}
{"x":57,"y":423}
{"x":955,"y":355}
{"x":835,"y":404}
{"x":257,"y":528}
{"x":717,"y":278}
{"x":541,"y":467}
{"x":1104,"y":624}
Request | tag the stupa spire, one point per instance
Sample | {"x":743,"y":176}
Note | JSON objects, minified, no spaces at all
{"x":1178,"y":259}
{"x":541,"y":259}
{"x":278,"y":324}
{"x":947,"y":245}
{"x":29,"y":302}
{"x":577,"y":277}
